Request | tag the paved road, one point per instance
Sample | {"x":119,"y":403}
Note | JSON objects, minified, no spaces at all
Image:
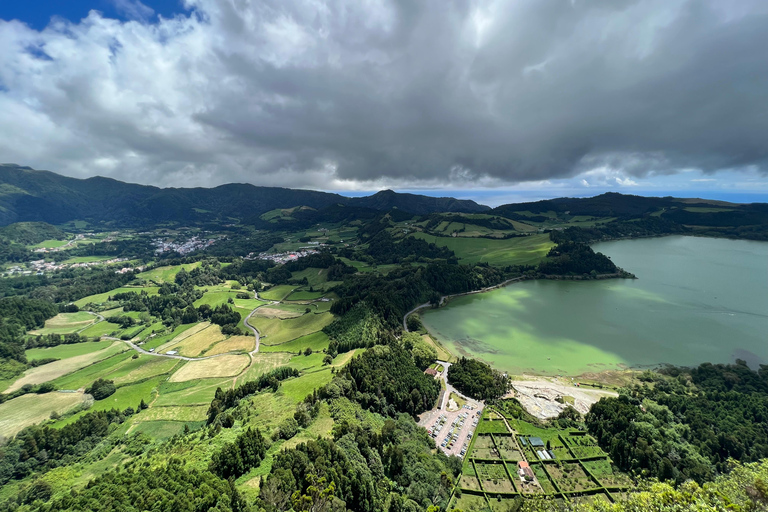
{"x":184,"y":358}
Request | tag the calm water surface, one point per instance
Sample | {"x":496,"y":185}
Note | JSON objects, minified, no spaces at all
{"x":696,"y":300}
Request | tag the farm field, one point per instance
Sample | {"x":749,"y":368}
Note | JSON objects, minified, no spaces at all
{"x":275,"y":331}
{"x":101,"y":298}
{"x":279,"y":292}
{"x":222,"y":366}
{"x":528,"y":250}
{"x":100,"y":329}
{"x":66,"y":323}
{"x":232,"y":344}
{"x":194,"y":341}
{"x":317,"y":341}
{"x":32,"y":408}
{"x":51,"y":371}
{"x":166,"y":274}
{"x":67,"y":351}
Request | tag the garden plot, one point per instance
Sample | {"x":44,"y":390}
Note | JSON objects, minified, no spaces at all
{"x":570,"y":477}
{"x":484,"y":448}
{"x":603,"y":471}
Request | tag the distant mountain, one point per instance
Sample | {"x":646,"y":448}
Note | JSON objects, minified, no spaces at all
{"x":701,"y":216}
{"x":42,"y":196}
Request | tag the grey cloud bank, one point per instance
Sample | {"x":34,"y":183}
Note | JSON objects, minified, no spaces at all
{"x":361,"y":95}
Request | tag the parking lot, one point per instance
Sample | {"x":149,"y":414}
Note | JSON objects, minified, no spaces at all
{"x":452,"y":430}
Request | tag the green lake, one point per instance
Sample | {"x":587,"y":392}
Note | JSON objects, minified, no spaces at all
{"x":695,"y":300}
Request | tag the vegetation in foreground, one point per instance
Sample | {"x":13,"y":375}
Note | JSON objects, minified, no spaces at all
{"x":324,"y":419}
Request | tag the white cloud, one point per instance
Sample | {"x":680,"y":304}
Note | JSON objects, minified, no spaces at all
{"x":133,"y":9}
{"x":352,"y":95}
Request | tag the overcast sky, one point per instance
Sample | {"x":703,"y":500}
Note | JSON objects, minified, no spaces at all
{"x":534,"y":98}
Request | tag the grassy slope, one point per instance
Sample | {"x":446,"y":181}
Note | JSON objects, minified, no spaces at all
{"x":528,"y":250}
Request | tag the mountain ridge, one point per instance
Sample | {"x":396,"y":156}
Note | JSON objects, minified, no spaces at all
{"x":29,"y":195}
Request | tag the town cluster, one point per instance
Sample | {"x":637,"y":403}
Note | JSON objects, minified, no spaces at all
{"x":284,"y":257}
{"x":193,"y":244}
{"x":40,"y":267}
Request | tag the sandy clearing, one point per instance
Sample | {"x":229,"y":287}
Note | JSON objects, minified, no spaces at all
{"x":539,"y":395}
{"x":223,"y":366}
{"x":56,"y":369}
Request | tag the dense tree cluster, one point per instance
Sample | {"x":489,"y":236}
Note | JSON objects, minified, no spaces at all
{"x":477,"y":380}
{"x":170,"y":487}
{"x":65,"y":286}
{"x":37,"y":448}
{"x":53,"y":340}
{"x":687,"y":426}
{"x":387,"y":381}
{"x":362,"y":469}
{"x":383,"y":248}
{"x":101,"y":389}
{"x":576,"y":258}
{"x":238,"y":457}
{"x":18,"y":315}
{"x":359,"y":328}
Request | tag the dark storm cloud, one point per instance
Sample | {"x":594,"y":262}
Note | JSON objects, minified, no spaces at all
{"x":339,"y":94}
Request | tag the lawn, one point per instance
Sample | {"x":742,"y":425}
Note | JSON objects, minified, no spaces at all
{"x":275,"y":331}
{"x":528,"y":250}
{"x":31,"y":408}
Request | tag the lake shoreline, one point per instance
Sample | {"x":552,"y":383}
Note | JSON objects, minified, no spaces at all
{"x":698,"y":300}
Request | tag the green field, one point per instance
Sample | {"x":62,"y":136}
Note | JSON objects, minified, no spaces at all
{"x":67,"y":351}
{"x":316,"y":341}
{"x":49,"y":244}
{"x":279,"y":292}
{"x":528,"y":250}
{"x":166,"y":274}
{"x":275,"y":331}
{"x":101,"y":298}
{"x":66,"y":323}
{"x":304,"y":295}
{"x":31,"y":408}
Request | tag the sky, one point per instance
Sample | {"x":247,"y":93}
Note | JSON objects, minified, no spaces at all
{"x":493,"y":100}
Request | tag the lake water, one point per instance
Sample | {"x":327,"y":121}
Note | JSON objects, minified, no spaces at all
{"x":695,"y":300}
